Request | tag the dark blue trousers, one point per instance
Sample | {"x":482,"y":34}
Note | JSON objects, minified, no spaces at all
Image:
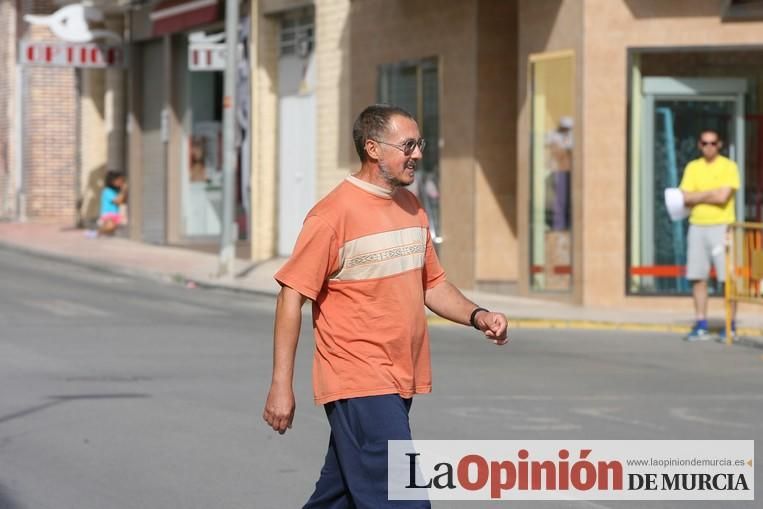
{"x":354,"y":475}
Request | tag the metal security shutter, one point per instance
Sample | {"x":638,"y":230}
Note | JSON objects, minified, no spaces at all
{"x":154,"y":192}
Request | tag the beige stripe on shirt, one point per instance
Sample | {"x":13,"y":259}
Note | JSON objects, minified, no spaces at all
{"x":382,"y":254}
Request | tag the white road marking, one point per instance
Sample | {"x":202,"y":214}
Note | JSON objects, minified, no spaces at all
{"x":514,"y":419}
{"x":181,"y":308}
{"x":535,"y":427}
{"x":176,"y":308}
{"x":588,"y":503}
{"x":606,"y":414}
{"x":685,"y":414}
{"x":65,"y":308}
{"x":607,"y":397}
{"x":476,"y":411}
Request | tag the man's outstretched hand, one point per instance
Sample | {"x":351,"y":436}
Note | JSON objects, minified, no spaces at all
{"x":494,"y":325}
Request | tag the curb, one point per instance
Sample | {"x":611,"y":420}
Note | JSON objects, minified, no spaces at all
{"x":89,"y":264}
{"x":550,"y":323}
{"x":109,"y":268}
{"x":206,"y":285}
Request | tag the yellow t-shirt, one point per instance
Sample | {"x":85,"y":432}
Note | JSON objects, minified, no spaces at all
{"x":700,"y":175}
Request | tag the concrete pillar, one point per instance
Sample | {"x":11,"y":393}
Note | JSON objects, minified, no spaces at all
{"x":93,"y":145}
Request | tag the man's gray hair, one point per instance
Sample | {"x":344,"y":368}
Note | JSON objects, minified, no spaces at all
{"x":373,"y":123}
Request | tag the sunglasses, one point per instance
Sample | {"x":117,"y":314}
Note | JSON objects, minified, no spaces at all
{"x":706,"y":143}
{"x":408,"y":146}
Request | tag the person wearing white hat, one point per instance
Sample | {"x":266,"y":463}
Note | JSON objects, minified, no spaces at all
{"x":708,"y":185}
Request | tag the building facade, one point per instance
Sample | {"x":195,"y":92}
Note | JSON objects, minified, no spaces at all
{"x":529,"y":191}
{"x":299,"y":104}
{"x":38,"y":165}
{"x":175,"y":124}
{"x":640,"y":79}
{"x":453,"y":66}
{"x":553,"y":127}
{"x":60,"y":121}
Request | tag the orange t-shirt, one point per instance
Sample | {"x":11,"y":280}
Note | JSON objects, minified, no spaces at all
{"x":365,"y":257}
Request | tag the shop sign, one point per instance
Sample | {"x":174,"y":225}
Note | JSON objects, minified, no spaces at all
{"x":206,"y":52}
{"x":59,"y":54}
{"x":206,"y":57}
{"x":71,"y":25}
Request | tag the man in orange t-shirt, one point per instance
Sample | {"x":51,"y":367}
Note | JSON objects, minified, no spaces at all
{"x":365,"y":259}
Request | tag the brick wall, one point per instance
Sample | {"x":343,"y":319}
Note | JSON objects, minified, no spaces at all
{"x":264,"y":135}
{"x":335,"y":153}
{"x":50,"y":131}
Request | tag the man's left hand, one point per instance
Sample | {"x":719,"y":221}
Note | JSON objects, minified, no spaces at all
{"x":494,"y":325}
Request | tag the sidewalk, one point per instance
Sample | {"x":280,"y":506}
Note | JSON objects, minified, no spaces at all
{"x":199,"y":269}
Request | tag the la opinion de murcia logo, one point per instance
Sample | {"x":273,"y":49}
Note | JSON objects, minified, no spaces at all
{"x":71,"y":24}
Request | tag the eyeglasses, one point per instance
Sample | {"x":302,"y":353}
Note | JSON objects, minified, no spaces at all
{"x":706,"y":143}
{"x":408,"y":146}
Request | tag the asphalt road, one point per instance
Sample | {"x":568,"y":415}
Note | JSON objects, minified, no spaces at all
{"x":118,"y":393}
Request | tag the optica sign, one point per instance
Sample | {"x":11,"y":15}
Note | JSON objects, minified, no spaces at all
{"x":89,"y":55}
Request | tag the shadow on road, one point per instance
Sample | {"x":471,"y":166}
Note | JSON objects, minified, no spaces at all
{"x":6,"y":499}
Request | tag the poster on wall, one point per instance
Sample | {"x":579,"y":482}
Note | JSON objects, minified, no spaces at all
{"x":203,"y":200}
{"x":206,"y":153}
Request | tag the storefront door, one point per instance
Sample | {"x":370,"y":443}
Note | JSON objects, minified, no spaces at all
{"x":296,"y":120}
{"x":674,"y":112}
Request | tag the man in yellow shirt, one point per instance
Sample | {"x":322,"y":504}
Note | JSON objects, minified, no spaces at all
{"x":708,"y":184}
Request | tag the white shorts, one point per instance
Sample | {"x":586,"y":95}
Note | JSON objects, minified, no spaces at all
{"x":706,"y":245}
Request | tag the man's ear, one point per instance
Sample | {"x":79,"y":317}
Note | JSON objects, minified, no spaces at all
{"x":372,"y":149}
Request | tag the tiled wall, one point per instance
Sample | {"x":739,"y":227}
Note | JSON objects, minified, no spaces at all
{"x":334,"y":121}
{"x":50,"y":132}
{"x":387,"y":32}
{"x":497,"y":250}
{"x":264,"y":135}
{"x":336,"y":157}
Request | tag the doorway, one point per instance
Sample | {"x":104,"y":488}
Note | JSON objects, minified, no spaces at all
{"x":673,"y":113}
{"x":296,"y":121}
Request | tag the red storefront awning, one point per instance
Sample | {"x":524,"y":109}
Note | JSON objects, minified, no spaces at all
{"x":176,"y":15}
